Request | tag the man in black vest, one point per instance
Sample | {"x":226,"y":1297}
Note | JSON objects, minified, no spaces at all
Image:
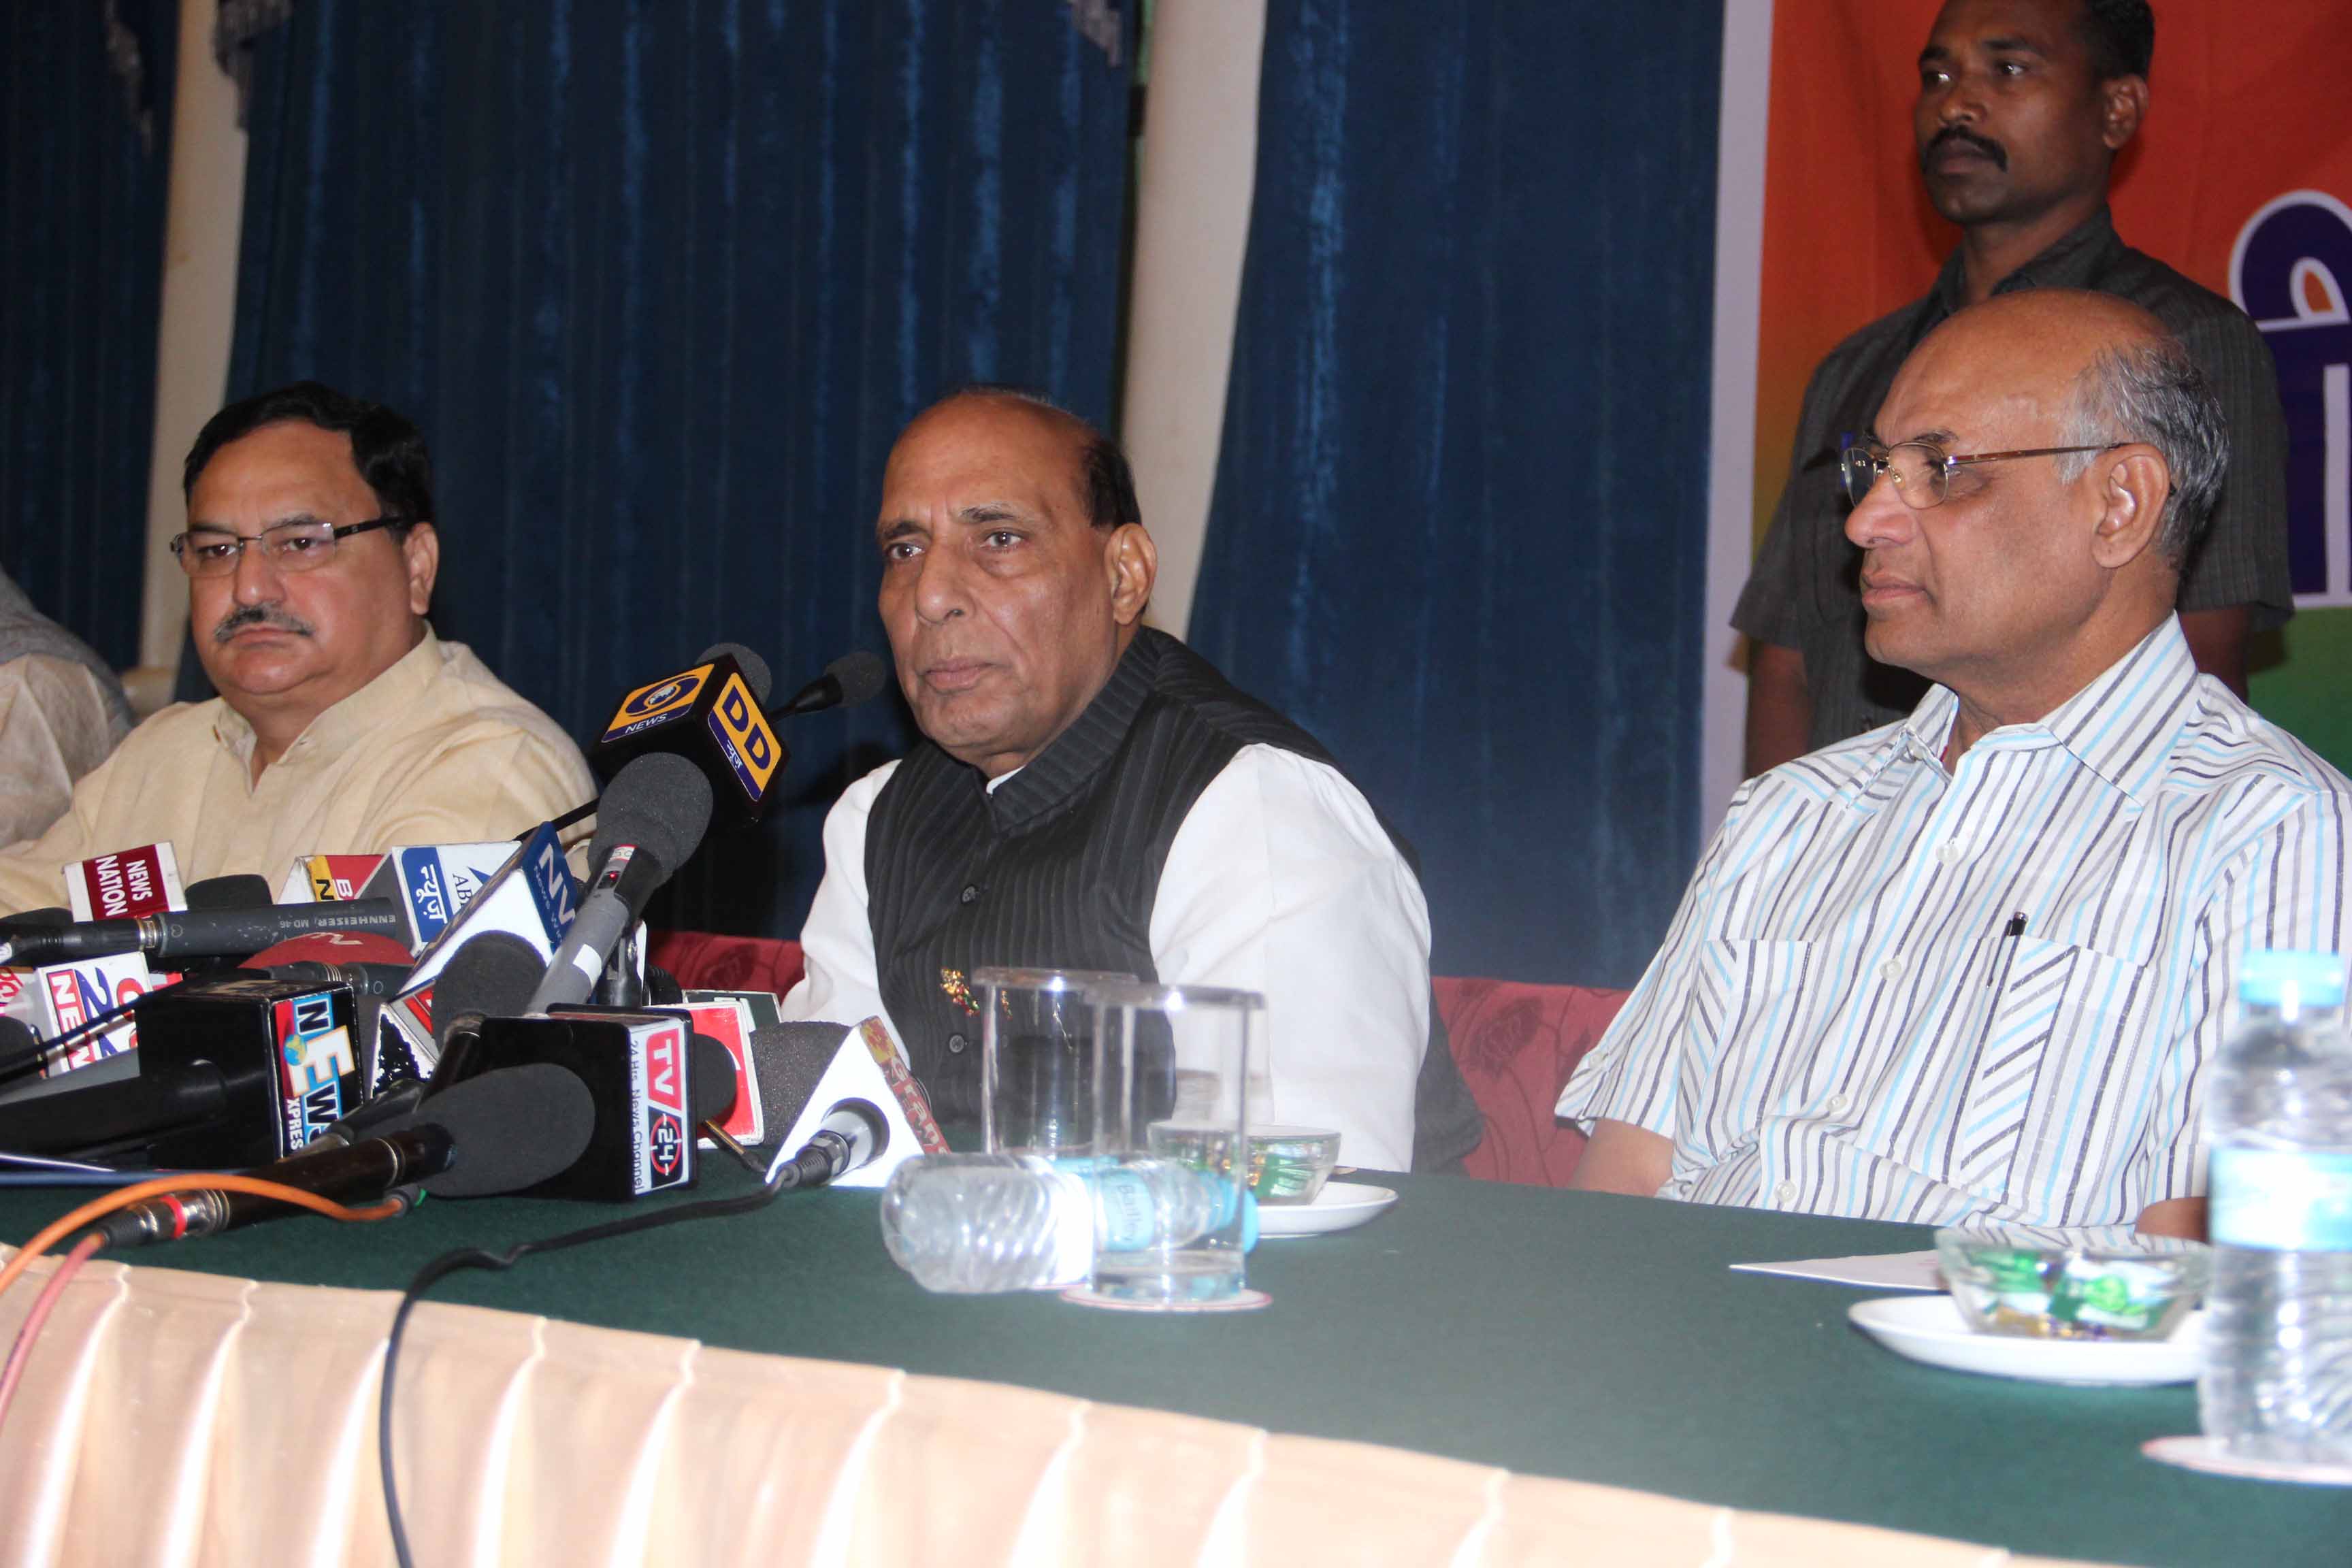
{"x":1092,"y":794}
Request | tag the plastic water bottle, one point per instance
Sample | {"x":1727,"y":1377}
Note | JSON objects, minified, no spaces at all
{"x":2277,"y":1377}
{"x":977,"y":1223}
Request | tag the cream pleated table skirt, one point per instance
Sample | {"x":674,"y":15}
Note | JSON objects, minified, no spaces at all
{"x":170,"y":1418}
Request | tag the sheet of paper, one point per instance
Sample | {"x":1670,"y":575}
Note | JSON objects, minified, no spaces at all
{"x":1873,"y":1271}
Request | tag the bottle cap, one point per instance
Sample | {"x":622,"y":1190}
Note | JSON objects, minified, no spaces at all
{"x":2269,"y":979}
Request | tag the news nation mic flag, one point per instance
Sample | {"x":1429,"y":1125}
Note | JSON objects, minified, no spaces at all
{"x":125,"y":884}
{"x":710,"y":715}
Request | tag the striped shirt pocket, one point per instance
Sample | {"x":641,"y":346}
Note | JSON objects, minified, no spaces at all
{"x":2038,"y":1083}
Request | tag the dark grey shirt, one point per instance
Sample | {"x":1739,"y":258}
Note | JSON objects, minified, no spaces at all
{"x":1801,"y":592}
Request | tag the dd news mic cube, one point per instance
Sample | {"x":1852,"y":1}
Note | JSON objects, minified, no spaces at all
{"x":711,"y":716}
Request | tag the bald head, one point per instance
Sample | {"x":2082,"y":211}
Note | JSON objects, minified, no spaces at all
{"x":2109,"y":374}
{"x":2054,"y":456}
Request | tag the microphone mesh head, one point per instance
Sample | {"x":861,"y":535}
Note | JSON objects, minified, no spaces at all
{"x":661,"y":803}
{"x":754,"y":667}
{"x":509,"y":1129}
{"x":243,"y":891}
{"x":861,"y":674}
{"x":491,"y":975}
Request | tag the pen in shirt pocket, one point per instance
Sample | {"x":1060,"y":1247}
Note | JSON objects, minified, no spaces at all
{"x":2005,"y":953}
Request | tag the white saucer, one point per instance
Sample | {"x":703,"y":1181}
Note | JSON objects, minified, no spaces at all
{"x":1930,"y":1329}
{"x":2200,"y":1453}
{"x":1341,"y":1206}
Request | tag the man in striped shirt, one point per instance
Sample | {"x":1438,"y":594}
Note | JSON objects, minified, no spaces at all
{"x":1971,"y":966}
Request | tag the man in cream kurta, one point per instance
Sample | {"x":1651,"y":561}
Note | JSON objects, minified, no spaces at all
{"x":344,"y":725}
{"x":434,"y":750}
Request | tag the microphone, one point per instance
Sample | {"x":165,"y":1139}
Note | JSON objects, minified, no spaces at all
{"x":754,"y":667}
{"x":491,"y":977}
{"x":854,"y":678}
{"x":193,"y":934}
{"x":852,"y":1135}
{"x":494,"y":1133}
{"x":652,"y":817}
{"x":652,"y":1080}
{"x":711,"y":716}
{"x":805,"y":1073}
{"x":241,"y":890}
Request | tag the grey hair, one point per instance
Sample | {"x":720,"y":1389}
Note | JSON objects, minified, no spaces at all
{"x":2151,"y":391}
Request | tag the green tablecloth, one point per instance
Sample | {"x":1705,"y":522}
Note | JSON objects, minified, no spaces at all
{"x":1556,"y":1333}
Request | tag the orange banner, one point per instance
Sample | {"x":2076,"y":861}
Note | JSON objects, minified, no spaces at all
{"x":2241,"y":177}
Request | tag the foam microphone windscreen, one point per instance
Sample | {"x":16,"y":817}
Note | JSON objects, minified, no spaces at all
{"x":509,"y":1129}
{"x":242,"y":891}
{"x":659,"y":803}
{"x":754,"y":667}
{"x":333,"y":947}
{"x":491,"y":977}
{"x":861,"y":675}
{"x":790,"y":1059}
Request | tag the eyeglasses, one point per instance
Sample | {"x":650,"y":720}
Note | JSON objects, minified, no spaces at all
{"x":1922,"y":470}
{"x":289,"y":546}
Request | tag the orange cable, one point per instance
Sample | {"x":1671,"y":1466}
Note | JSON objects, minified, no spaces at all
{"x":190,"y":1182}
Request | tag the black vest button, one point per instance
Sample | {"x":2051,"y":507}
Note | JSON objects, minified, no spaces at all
{"x":956,"y":1044}
{"x":970,"y":892}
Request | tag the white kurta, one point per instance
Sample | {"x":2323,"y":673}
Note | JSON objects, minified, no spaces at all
{"x":1281,"y":881}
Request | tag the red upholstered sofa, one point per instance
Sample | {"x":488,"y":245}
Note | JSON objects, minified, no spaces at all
{"x":1517,"y":1043}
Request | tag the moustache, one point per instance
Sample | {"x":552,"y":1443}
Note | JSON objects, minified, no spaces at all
{"x":1968,"y":137}
{"x":272,"y":615}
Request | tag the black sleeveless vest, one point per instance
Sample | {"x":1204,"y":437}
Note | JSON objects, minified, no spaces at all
{"x":1059,"y":868}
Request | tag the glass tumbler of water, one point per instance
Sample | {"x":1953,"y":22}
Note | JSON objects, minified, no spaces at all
{"x":1173,"y":1083}
{"x":1037,"y":1059}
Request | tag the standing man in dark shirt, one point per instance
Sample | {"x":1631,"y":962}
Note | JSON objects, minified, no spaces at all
{"x":2023,"y":107}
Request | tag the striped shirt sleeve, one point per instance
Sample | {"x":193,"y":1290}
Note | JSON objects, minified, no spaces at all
{"x":1630,"y":1076}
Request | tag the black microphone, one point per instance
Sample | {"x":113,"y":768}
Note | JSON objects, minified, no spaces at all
{"x":118,"y":1114}
{"x":651,"y":819}
{"x":491,"y":977}
{"x":242,"y":890}
{"x":496,"y":1133}
{"x":852,"y":1133}
{"x":233,"y":1070}
{"x":199,"y":933}
{"x":852,"y":679}
{"x":754,"y":667}
{"x":653,"y":1081}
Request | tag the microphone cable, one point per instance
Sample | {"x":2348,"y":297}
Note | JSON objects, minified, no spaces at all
{"x":97,"y":1208}
{"x":808,"y":1169}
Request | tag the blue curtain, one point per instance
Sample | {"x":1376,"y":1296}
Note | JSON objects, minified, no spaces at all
{"x":85,"y":163}
{"x":661,"y":281}
{"x":1460,"y":521}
